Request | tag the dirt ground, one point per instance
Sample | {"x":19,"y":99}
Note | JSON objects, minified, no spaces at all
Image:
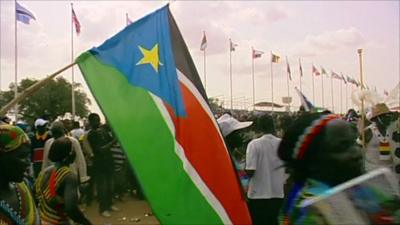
{"x":133,"y":211}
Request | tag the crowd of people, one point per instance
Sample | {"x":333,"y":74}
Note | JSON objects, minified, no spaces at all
{"x":51,"y":170}
{"x":281,"y":159}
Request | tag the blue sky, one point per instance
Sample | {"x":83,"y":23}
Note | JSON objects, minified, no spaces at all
{"x":327,"y":34}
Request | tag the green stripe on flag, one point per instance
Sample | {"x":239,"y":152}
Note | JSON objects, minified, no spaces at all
{"x":149,"y":144}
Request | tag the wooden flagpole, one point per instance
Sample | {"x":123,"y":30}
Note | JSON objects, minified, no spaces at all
{"x":359,"y":51}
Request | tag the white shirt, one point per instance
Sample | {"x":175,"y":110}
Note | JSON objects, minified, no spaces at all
{"x":269,"y":176}
{"x":78,"y":166}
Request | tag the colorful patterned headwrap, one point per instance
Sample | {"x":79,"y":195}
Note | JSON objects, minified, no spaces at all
{"x":11,"y":137}
{"x":310,"y":133}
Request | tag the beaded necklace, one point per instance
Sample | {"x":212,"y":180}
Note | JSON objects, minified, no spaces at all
{"x":14,"y":215}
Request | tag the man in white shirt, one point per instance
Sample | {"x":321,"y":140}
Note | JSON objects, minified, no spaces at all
{"x":267,"y":176}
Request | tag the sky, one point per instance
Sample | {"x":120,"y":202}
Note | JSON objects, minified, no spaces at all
{"x":323,"y":33}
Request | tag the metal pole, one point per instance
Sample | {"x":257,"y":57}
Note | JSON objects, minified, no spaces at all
{"x":72,"y":68}
{"x":230,"y":71}
{"x":341,"y":98}
{"x":252,"y":75}
{"x":16,"y":62}
{"x":313,"y":89}
{"x":347,"y":107}
{"x":322,"y":90}
{"x":287,"y":82}
{"x":359,"y":51}
{"x":272,"y":87}
{"x":333,"y":108}
{"x":205,"y":76}
{"x":301,"y":74}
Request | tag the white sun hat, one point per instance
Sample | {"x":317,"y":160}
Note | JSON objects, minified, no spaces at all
{"x":40,"y":122}
{"x":228,"y":124}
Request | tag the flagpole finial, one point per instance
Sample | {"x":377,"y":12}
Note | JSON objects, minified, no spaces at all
{"x":360,"y":50}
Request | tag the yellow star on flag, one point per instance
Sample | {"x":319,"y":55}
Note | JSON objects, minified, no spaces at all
{"x":151,"y":57}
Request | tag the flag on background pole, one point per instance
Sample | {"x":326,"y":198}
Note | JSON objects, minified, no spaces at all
{"x":300,"y":68}
{"x":257,"y":54}
{"x":315,"y":71}
{"x":232,"y":46}
{"x":76,"y":23}
{"x":180,"y":168}
{"x":288,"y":69}
{"x":128,"y":21}
{"x":386,"y":93}
{"x":308,"y":106}
{"x":274,"y":58}
{"x":323,"y":71}
{"x":336,"y":76}
{"x":203,"y":45}
{"x":22,"y":14}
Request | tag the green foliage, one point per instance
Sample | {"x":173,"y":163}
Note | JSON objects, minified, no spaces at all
{"x":53,"y":99}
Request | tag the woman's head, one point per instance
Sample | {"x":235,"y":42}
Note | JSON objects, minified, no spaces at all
{"x":14,"y":153}
{"x":321,"y":147}
{"x":61,"y":151}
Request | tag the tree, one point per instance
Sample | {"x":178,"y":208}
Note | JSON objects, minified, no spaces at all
{"x":53,"y":100}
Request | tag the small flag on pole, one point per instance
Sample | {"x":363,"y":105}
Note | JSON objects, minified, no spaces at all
{"x":352,"y":81}
{"x":323,"y":71}
{"x":203,"y":45}
{"x":128,"y":21}
{"x":76,"y":23}
{"x":336,"y":76}
{"x":232,"y":46}
{"x":300,"y":68}
{"x":386,"y":93}
{"x":308,"y":106}
{"x":22,"y":14}
{"x":288,"y":69}
{"x":274,"y":58}
{"x":257,"y":54}
{"x":315,"y":71}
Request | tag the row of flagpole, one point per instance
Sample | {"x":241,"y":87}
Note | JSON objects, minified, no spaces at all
{"x":24,"y":15}
{"x":275,"y":59}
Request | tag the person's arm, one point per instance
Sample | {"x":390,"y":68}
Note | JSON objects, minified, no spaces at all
{"x":71,"y":200}
{"x":251,"y":160}
{"x":94,"y":137}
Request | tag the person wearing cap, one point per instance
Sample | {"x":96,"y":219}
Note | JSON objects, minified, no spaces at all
{"x":267,"y":174}
{"x":232,"y":131}
{"x":38,"y":140}
{"x":382,"y":139}
{"x":17,"y":206}
{"x":56,"y":187}
{"x":79,"y":165}
{"x":320,"y":152}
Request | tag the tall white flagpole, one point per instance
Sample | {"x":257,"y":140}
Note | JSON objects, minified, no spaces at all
{"x":16,"y":62}
{"x":322,"y":89}
{"x":347,"y":107}
{"x":313,"y":89}
{"x":341,"y":98}
{"x":287,"y":80}
{"x":333,"y":108}
{"x":252,"y":75}
{"x":230,"y":71}
{"x":272,"y":86}
{"x":72,"y":68}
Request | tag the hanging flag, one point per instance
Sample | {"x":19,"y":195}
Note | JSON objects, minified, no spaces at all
{"x":22,"y":14}
{"x":128,"y":21}
{"x":75,"y":21}
{"x":323,"y":71}
{"x":315,"y":71}
{"x":308,"y":106}
{"x":300,"y":68}
{"x":203,"y":45}
{"x":232,"y":46}
{"x":352,"y":81}
{"x":147,"y":64}
{"x":336,"y":76}
{"x":288,"y":69}
{"x":386,"y":93}
{"x":274,"y":58}
{"x":343,"y":78}
{"x":256,"y":53}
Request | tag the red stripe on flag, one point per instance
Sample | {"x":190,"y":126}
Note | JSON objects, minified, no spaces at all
{"x":75,"y":21}
{"x":205,"y":150}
